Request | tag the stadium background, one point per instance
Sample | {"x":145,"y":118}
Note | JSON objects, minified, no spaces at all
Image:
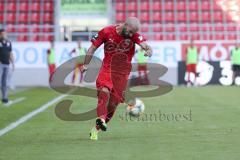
{"x":167,"y":24}
{"x":29,"y":129}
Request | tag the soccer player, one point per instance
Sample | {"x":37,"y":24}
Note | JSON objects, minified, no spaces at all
{"x":191,"y":63}
{"x":235,"y":59}
{"x":51,"y":61}
{"x":79,"y":51}
{"x":119,"y":48}
{"x":6,"y":57}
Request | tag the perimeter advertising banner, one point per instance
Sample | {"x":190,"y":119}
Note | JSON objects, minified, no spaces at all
{"x":31,"y":58}
{"x":214,"y":66}
{"x":34,"y":55}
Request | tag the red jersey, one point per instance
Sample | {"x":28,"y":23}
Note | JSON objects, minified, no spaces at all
{"x":115,"y":44}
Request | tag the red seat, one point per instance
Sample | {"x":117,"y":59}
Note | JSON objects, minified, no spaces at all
{"x":158,"y":36}
{"x":231,"y":27}
{"x":35,"y":28}
{"x":170,"y":37}
{"x":194,"y":27}
{"x":132,"y":14}
{"x":169,"y":17}
{"x":144,"y":17}
{"x":48,"y":6}
{"x":183,"y":37}
{"x":144,"y":6}
{"x":170,"y":27}
{"x":216,"y":7}
{"x":206,"y":27}
{"x":48,"y":28}
{"x":206,"y":5}
{"x":120,"y":6}
{"x":181,"y":6}
{"x":218,"y":16}
{"x":11,"y":7}
{"x":193,"y":5}
{"x":219,"y":27}
{"x":23,"y":18}
{"x":193,"y":16}
{"x":11,"y":18}
{"x":132,"y":6}
{"x":206,"y":16}
{"x":22,"y":38}
{"x":2,"y":7}
{"x":169,"y":6}
{"x":35,"y":18}
{"x":36,"y":38}
{"x":47,"y":38}
{"x":23,"y":6}
{"x":120,"y":16}
{"x":145,"y":27}
{"x":10,"y":28}
{"x":157,"y":27}
{"x":232,"y":36}
{"x":183,"y":27}
{"x":157,"y":16}
{"x":220,"y":36}
{"x":35,"y":6}
{"x":182,"y":16}
{"x":195,"y":36}
{"x":48,"y":18}
{"x":22,"y":28}
{"x":156,"y":6}
{"x":1,"y":18}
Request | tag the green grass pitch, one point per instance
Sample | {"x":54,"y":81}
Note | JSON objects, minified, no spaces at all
{"x":212,"y":133}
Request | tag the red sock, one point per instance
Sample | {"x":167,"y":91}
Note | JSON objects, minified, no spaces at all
{"x":111,"y":109}
{"x":102,"y":104}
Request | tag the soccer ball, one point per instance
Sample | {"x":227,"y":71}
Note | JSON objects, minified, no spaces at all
{"x":135,"y":108}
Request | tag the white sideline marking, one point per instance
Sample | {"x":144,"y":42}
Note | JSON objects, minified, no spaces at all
{"x":30,"y":115}
{"x":15,"y":101}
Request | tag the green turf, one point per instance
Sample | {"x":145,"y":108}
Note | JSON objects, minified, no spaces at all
{"x":212,"y":133}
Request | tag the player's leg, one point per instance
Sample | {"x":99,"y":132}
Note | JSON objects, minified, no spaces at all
{"x":103,"y":100}
{"x":4,"y":84}
{"x":194,"y":69}
{"x":112,"y":106}
{"x":188,"y":68}
{"x":74,"y":75}
{"x":234,"y":73}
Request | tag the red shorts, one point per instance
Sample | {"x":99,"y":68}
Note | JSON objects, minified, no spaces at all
{"x":115,"y":82}
{"x":191,"y":68}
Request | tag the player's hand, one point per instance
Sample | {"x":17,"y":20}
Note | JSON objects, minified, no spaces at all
{"x":148,"y":53}
{"x":83,"y":68}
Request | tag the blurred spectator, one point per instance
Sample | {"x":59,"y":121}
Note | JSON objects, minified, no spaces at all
{"x":235,"y":59}
{"x":142,"y":67}
{"x":191,"y":63}
{"x":51,"y":61}
{"x":6,"y":57}
{"x":79,"y":51}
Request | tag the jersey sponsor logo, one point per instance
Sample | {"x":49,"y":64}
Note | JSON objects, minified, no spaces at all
{"x":123,"y":46}
{"x":95,"y":37}
{"x":140,"y":38}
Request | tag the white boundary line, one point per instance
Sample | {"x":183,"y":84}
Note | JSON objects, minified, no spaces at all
{"x":30,"y":115}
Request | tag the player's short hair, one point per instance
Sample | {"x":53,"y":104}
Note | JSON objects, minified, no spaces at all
{"x":133,"y":21}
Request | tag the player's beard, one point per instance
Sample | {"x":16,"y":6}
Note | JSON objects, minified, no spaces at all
{"x":123,"y":33}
